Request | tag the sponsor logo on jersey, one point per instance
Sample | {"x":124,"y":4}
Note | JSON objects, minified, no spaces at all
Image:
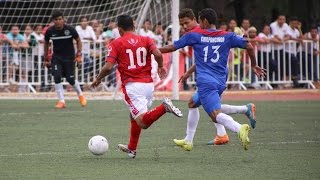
{"x":132,"y":41}
{"x":66,"y":32}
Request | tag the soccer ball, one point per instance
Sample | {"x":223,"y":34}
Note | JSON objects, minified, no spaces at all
{"x":98,"y":145}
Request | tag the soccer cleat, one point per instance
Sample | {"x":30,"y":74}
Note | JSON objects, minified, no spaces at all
{"x":60,"y":105}
{"x":251,"y":114}
{"x":171,"y":108}
{"x":82,"y":101}
{"x":244,"y":136}
{"x":219,"y":140}
{"x":124,"y":148}
{"x":182,"y":143}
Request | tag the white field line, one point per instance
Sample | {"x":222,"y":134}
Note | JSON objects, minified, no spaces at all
{"x":148,"y":149}
{"x":40,"y":113}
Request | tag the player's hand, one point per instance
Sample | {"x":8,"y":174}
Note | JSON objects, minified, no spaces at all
{"x":260,"y":72}
{"x":184,"y":77}
{"x":95,"y":83}
{"x":162,"y":73}
{"x":78,"y":59}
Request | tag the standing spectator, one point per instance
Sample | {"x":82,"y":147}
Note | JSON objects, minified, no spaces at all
{"x":233,"y":27}
{"x":95,"y":25}
{"x":309,"y":55}
{"x":245,"y":25}
{"x":159,"y":35}
{"x":146,"y":29}
{"x":223,"y":26}
{"x":27,"y":56}
{"x":64,"y":56}
{"x":18,"y":43}
{"x":86,"y":35}
{"x":292,"y":33}
{"x":3,"y":42}
{"x":107,"y":35}
{"x":278,"y":29}
{"x":265,"y":59}
{"x":38,"y":51}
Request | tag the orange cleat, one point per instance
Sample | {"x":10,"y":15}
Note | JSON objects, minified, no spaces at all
{"x":82,"y":101}
{"x":60,"y":105}
{"x":219,"y":140}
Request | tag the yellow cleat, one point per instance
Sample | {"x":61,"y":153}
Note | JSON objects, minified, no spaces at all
{"x":82,"y":101}
{"x":244,"y":136}
{"x":182,"y":143}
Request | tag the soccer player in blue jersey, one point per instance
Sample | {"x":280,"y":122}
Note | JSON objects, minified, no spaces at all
{"x":211,"y":49}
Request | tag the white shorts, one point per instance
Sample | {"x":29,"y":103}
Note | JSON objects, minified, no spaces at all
{"x":138,"y":97}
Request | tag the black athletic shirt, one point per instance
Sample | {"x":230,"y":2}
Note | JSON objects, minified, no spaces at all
{"x":62,"y":40}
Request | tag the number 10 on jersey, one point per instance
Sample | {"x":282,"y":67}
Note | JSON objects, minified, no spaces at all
{"x":141,"y":55}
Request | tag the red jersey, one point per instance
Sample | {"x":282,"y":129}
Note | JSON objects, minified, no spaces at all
{"x":133,"y":55}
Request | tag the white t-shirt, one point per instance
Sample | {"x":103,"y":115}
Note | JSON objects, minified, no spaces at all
{"x":278,"y":31}
{"x":115,"y":33}
{"x":86,"y":33}
{"x":265,"y":47}
{"x":39,"y":49}
{"x":159,"y":39}
{"x":148,"y":33}
{"x":309,"y":46}
{"x":291,"y":46}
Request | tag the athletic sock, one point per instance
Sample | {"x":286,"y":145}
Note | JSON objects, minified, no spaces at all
{"x":229,"y":109}
{"x":59,"y":90}
{"x":77,"y":88}
{"x":193,"y":119}
{"x":221,"y":131}
{"x":135,"y":131}
{"x":153,"y":115}
{"x":228,"y":122}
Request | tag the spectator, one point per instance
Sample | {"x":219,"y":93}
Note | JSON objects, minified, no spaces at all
{"x":223,"y":26}
{"x":27,"y":63}
{"x":95,"y":25}
{"x":292,"y":33}
{"x":86,"y":35}
{"x":265,"y":59}
{"x":107,"y":35}
{"x":146,"y":29}
{"x":309,"y":55}
{"x":3,"y":42}
{"x":159,"y":35}
{"x":233,"y":27}
{"x":278,"y":29}
{"x":18,"y":43}
{"x":245,"y":26}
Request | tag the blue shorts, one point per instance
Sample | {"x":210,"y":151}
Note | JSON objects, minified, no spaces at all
{"x":209,"y":95}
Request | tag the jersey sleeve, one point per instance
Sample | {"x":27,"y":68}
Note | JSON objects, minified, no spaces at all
{"x":47,"y":35}
{"x":74,"y":33}
{"x":151,"y":45}
{"x":185,"y":40}
{"x":238,"y":41}
{"x":112,"y":53}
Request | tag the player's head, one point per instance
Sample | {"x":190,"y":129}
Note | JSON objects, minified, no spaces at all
{"x":15,"y":30}
{"x":187,"y":19}
{"x":125,"y":23}
{"x":207,"y":18}
{"x":84,"y":22}
{"x":281,"y":19}
{"x":58,"y":19}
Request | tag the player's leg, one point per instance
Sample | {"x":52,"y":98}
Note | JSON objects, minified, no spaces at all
{"x":210,"y":99}
{"x":249,"y":110}
{"x":68,"y":69}
{"x":57,"y":75}
{"x":137,"y":97}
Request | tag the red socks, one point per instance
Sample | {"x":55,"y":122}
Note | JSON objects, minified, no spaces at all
{"x":135,"y":131}
{"x":153,"y":115}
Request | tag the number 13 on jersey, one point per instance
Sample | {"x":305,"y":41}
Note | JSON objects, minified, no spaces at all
{"x":215,"y":53}
{"x":141,"y":56}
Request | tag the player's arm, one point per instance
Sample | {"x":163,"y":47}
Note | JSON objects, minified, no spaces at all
{"x":158,"y":57}
{"x":260,"y":72}
{"x":106,"y":69}
{"x":187,"y":74}
{"x":167,"y":48}
{"x":79,"y":46}
{"x":185,"y":40}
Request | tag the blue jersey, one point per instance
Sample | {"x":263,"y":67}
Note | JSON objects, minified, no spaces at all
{"x":211,"y":50}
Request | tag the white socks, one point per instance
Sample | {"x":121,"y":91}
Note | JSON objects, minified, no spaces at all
{"x":228,"y":122}
{"x":193,"y":119}
{"x":221,"y":131}
{"x":59,"y":90}
{"x":228,"y":109}
{"x":77,"y":88}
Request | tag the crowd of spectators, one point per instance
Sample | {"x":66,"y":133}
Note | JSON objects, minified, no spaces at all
{"x":21,"y":51}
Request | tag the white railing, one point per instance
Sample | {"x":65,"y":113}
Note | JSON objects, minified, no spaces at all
{"x":25,"y":67}
{"x":300,"y":63}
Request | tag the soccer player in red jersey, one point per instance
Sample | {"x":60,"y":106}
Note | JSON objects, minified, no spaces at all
{"x":133,"y":53}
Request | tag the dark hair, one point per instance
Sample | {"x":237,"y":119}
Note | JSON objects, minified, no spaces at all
{"x":83,"y":17}
{"x":209,"y":14}
{"x":294,"y":18}
{"x":125,"y":22}
{"x":56,"y":14}
{"x":313,"y":26}
{"x":147,"y":20}
{"x":15,"y":26}
{"x":186,"y":12}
